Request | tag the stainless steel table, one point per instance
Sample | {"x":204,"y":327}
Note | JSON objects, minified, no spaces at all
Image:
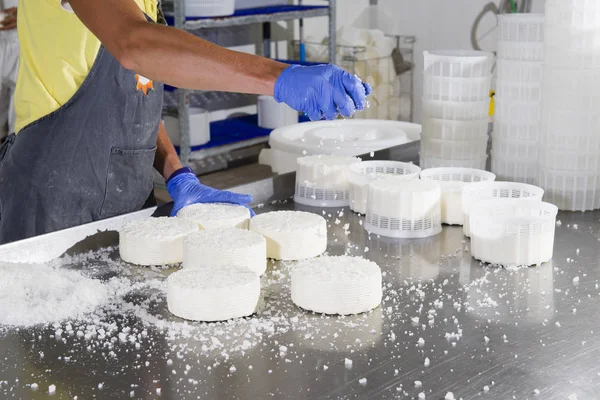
{"x":446,"y":324}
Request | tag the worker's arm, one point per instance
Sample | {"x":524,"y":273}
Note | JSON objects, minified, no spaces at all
{"x":10,"y":19}
{"x":183,"y":60}
{"x":182,"y":184}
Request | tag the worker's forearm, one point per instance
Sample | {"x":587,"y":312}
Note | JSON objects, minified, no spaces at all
{"x":180,"y":59}
{"x":166,"y":160}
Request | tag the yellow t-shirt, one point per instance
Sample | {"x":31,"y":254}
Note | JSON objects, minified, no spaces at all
{"x":57,"y":53}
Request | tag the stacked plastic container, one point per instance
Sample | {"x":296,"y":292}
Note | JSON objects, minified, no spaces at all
{"x":456,"y":86}
{"x":518,"y":96}
{"x":569,"y":160}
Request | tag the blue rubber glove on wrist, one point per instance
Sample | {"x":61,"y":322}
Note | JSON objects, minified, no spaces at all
{"x":185,"y":189}
{"x":321,"y":91}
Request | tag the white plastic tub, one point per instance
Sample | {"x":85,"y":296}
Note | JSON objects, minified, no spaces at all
{"x":361,"y":174}
{"x":513,"y":233}
{"x":199,"y":127}
{"x":456,"y":89}
{"x":452,"y":181}
{"x":571,"y":190}
{"x":458,"y":63}
{"x":527,"y":28}
{"x":404,"y":209}
{"x":480,"y":191}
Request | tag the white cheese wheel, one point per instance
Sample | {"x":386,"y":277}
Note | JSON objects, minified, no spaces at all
{"x":216,"y":215}
{"x":213,"y":294}
{"x":214,"y":248}
{"x":292,"y":235}
{"x":154,"y":241}
{"x":337,"y":285}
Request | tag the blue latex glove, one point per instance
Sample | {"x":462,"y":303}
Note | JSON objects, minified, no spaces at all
{"x":321,"y":91}
{"x":185,"y":189}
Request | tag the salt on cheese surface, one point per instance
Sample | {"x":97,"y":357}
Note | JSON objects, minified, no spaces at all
{"x":154,"y":241}
{"x":213,"y":294}
{"x":216,"y":215}
{"x":337,"y":285}
{"x":292,"y":235}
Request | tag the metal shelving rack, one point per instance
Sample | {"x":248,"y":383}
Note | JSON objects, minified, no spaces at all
{"x":264,"y":16}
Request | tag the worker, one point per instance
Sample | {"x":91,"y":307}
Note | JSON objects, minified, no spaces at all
{"x":9,"y":61}
{"x":88,"y":103}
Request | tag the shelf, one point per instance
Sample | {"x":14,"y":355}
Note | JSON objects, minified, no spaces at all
{"x":231,"y":134}
{"x":254,"y":16}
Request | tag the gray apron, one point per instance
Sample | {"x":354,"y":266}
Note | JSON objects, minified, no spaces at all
{"x":91,"y":159}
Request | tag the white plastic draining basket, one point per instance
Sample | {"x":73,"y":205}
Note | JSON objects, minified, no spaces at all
{"x":456,"y":110}
{"x":571,"y":191}
{"x":526,"y":151}
{"x":404,"y":209}
{"x":525,"y":113}
{"x":454,"y":150}
{"x":556,"y":57}
{"x":435,"y":128}
{"x":322,"y":181}
{"x":580,"y":16}
{"x":431,"y":162}
{"x":361,"y":174}
{"x":452,"y":181}
{"x":518,"y":91}
{"x":514,"y":169}
{"x":458,"y":63}
{"x":519,"y":71}
{"x":569,"y":123}
{"x":578,"y":41}
{"x":514,"y":131}
{"x":513,"y":233}
{"x":456,"y":89}
{"x":518,"y":51}
{"x":574,"y":141}
{"x":480,"y":191}
{"x":521,"y":28}
{"x":561,"y":159}
{"x":209,"y":8}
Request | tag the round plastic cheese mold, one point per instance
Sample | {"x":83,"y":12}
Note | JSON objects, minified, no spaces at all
{"x":213,"y":294}
{"x":452,"y":181}
{"x":210,"y":249}
{"x":292,"y":235}
{"x":322,"y":181}
{"x":404,"y":209}
{"x":509,"y":232}
{"x":154,"y":241}
{"x":336,"y":285}
{"x":360,"y":174}
{"x":216,"y":216}
{"x":480,"y":191}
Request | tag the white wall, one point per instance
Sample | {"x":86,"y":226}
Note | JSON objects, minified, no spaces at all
{"x":437,"y":24}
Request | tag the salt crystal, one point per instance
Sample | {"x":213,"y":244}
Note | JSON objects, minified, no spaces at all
{"x":232,"y":369}
{"x":132,"y":394}
{"x":486,"y":389}
{"x":325,"y":367}
{"x":100,"y":386}
{"x":51,"y":389}
{"x":418,"y":384}
{"x":372,"y":154}
{"x":486,"y":339}
{"x":427,"y":362}
{"x":536,"y":391}
{"x":421,"y":395}
{"x":576,"y":280}
{"x":348,"y":363}
{"x":421,"y":342}
{"x":34,"y":386}
{"x":573,"y":396}
{"x":362,"y":381}
{"x":158,"y":391}
{"x":449,"y":396}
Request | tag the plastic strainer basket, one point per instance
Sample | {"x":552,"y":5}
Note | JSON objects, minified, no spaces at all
{"x":513,"y":233}
{"x":322,"y":181}
{"x":521,"y":28}
{"x":519,"y":71}
{"x":435,"y":128}
{"x":576,"y":15}
{"x":517,"y":51}
{"x":454,"y":150}
{"x":514,"y":169}
{"x":456,"y":110}
{"x":404,"y":209}
{"x":477,"y":192}
{"x":432,"y":162}
{"x":561,"y":159}
{"x":452,"y":181}
{"x":518,"y":91}
{"x":361,"y":174}
{"x":527,"y":151}
{"x":578,"y":41}
{"x":514,"y":131}
{"x":517,"y":112}
{"x":569,"y":123}
{"x":563,"y":58}
{"x":571,"y":191}
{"x":456,"y":89}
{"x":458,"y":63}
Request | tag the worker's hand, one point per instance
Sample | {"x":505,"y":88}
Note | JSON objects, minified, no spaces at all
{"x":321,"y":91}
{"x":185,"y":189}
{"x":10,"y":20}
